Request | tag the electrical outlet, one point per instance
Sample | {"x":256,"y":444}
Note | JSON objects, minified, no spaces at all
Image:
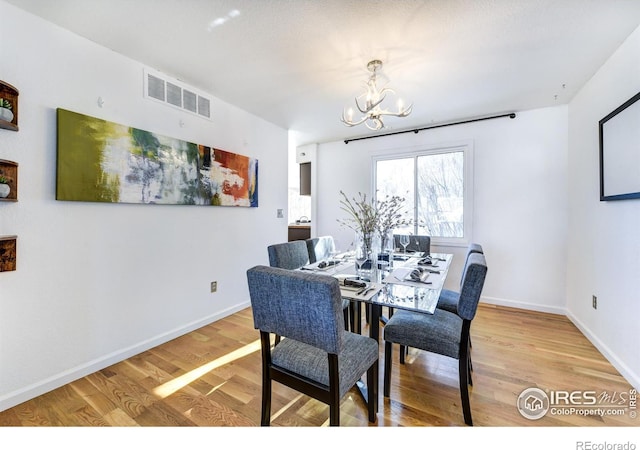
{"x":594,"y":302}
{"x":214,"y":286}
{"x":280,"y":213}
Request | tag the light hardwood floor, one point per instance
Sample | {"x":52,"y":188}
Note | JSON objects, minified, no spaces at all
{"x":212,"y":377}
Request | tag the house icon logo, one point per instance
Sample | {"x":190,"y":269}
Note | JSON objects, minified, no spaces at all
{"x":533,"y":403}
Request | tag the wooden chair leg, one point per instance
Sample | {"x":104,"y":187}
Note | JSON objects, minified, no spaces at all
{"x":334,"y":392}
{"x":265,"y":419}
{"x":334,"y":415}
{"x":470,"y":364}
{"x":387,"y":368}
{"x":463,"y":369}
{"x":265,"y":416}
{"x":352,"y":315}
{"x":346,"y":317}
{"x":464,"y":392}
{"x":372,"y":392}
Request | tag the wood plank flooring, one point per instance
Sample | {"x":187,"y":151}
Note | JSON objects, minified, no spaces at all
{"x":212,"y":378}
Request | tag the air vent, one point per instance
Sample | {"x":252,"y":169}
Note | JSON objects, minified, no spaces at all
{"x":161,"y":88}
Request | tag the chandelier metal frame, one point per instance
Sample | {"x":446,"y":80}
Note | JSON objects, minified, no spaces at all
{"x":372,"y":111}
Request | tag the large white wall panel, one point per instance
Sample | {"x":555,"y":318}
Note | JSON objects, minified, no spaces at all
{"x":98,"y":282}
{"x":604,"y":243}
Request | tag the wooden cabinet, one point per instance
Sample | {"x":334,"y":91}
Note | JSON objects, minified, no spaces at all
{"x":299,"y":232}
{"x":8,"y":107}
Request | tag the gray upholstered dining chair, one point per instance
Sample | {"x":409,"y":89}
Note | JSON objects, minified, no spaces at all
{"x":417,"y":243}
{"x":293,"y":255}
{"x":318,"y":357}
{"x":448,"y":299}
{"x":443,"y":332}
{"x":288,"y":255}
{"x":320,"y":248}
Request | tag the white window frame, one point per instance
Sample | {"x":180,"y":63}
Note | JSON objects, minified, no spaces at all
{"x":467,"y":149}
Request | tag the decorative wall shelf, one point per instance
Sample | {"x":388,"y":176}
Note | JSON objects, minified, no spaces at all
{"x":10,"y":170}
{"x":8,"y":116}
{"x":8,"y":245}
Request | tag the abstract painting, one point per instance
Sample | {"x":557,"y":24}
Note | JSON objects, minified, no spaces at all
{"x":101,"y":161}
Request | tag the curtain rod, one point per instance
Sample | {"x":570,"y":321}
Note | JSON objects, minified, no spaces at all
{"x":416,"y":130}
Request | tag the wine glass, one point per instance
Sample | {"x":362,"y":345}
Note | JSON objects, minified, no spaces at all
{"x":361,"y":258}
{"x":404,"y":241}
{"x":333,"y":250}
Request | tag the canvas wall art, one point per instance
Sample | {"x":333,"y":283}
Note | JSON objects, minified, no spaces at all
{"x":101,"y":161}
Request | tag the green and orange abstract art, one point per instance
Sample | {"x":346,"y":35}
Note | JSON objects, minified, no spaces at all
{"x":101,"y":161}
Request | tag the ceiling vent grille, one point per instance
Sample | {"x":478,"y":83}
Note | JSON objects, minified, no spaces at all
{"x":161,"y":88}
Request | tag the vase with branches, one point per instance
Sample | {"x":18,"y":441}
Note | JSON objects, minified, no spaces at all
{"x":391,"y":215}
{"x":373,"y":221}
{"x":363,"y":215}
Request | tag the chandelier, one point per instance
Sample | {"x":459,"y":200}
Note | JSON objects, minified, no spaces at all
{"x":372,"y":111}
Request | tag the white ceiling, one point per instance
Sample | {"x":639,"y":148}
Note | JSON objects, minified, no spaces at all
{"x":298,"y":63}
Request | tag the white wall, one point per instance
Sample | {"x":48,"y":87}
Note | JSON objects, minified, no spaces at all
{"x":520,"y":199}
{"x":604,"y":243}
{"x":96,"y":283}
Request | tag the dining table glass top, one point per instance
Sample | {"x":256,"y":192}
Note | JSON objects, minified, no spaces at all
{"x":391,"y":284}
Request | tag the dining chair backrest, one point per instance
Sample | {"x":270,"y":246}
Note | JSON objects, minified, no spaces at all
{"x":473,"y":282}
{"x":320,"y":248}
{"x":473,"y":248}
{"x":281,"y":299}
{"x":288,"y":255}
{"x":417,"y":243}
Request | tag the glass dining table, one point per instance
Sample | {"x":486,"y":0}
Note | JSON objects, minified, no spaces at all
{"x":388,"y":284}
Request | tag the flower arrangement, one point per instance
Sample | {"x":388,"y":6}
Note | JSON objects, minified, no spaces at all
{"x":3,"y":179}
{"x":369,"y":217}
{"x":363,"y":215}
{"x":391,"y":215}
{"x":4,"y":103}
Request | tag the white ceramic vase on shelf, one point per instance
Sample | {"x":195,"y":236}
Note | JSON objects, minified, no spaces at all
{"x":4,"y":190}
{"x":6,"y":114}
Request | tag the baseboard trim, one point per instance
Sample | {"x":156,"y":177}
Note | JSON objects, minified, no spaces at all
{"x":42,"y":387}
{"x":524,"y":305}
{"x":625,"y":371}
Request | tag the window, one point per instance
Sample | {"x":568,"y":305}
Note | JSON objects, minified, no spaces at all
{"x":437,"y":184}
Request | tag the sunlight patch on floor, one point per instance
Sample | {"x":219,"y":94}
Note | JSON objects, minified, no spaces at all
{"x":176,"y":384}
